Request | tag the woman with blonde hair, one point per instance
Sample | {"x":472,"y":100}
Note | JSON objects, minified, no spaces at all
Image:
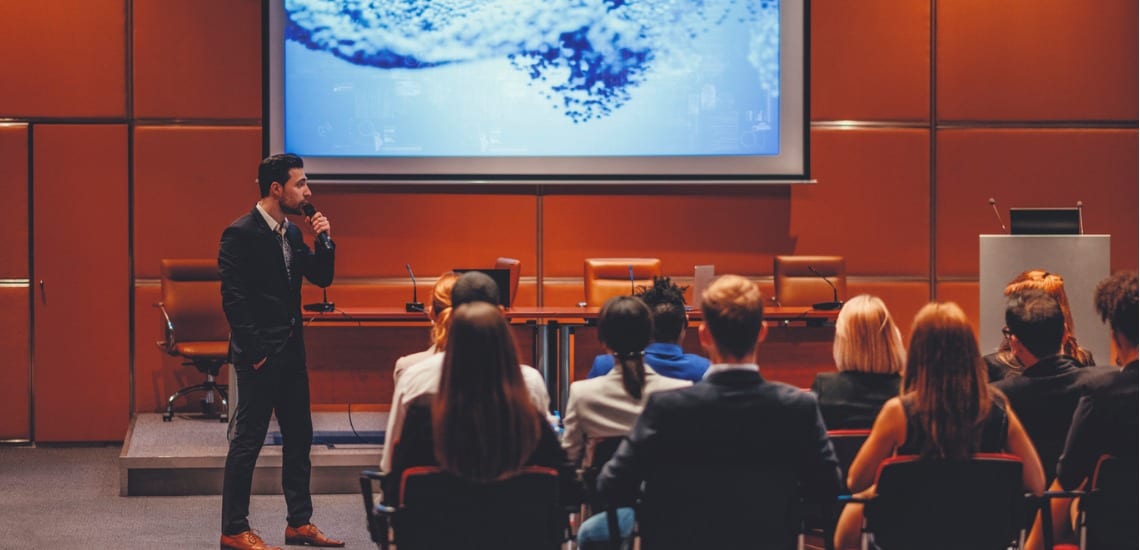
{"x":439,"y":312}
{"x":1002,"y":362}
{"x":869,"y":357}
{"x":947,"y":411}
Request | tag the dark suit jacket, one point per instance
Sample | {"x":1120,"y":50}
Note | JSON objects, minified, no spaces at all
{"x":731,"y":419}
{"x":1044,"y":397}
{"x":1105,"y":422}
{"x":262,"y":302}
{"x":851,"y":400}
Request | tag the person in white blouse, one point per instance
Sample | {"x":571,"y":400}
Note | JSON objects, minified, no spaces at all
{"x":439,"y":312}
{"x":608,"y":406}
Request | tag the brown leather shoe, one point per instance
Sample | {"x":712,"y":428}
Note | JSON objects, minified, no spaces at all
{"x":245,"y":540}
{"x":309,"y":535}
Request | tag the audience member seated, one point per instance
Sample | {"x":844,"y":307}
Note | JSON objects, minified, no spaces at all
{"x":1002,"y":363}
{"x":1045,"y":394}
{"x":732,"y":418}
{"x":1105,"y":420}
{"x":482,"y":425}
{"x":869,"y":354}
{"x":667,"y":302}
{"x":609,"y":405}
{"x":946,"y":411}
{"x":424,"y":377}
{"x":439,"y":312}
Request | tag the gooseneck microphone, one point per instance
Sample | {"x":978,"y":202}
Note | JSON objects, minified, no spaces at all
{"x":632,"y":291}
{"x":323,"y":236}
{"x":414,"y":305}
{"x":993,"y":204}
{"x":827,"y":306}
{"x":1080,"y":217}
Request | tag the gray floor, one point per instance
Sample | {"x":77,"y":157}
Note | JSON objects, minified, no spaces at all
{"x":68,"y":497}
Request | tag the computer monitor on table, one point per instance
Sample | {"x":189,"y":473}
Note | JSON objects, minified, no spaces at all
{"x":502,"y":278}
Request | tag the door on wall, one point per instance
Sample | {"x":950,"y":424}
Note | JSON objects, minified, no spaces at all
{"x":15,"y":330}
{"x":80,"y":282}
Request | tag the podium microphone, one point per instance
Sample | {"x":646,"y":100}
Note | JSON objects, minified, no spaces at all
{"x":414,"y":305}
{"x":993,"y":204}
{"x":324,"y":305}
{"x":1080,"y":218}
{"x":632,"y":291}
{"x":827,"y":306}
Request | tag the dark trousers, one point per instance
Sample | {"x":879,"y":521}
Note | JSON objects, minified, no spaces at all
{"x":281,"y":385}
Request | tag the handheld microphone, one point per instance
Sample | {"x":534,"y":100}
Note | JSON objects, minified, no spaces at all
{"x":1081,"y":217}
{"x":993,"y":204}
{"x":827,"y":306}
{"x":631,"y":289}
{"x":323,"y":236}
{"x":414,"y":305}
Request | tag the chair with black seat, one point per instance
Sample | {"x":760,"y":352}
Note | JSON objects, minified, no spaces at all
{"x":847,"y":444}
{"x":604,"y":278}
{"x":439,"y":510}
{"x":978,"y":503}
{"x":1107,"y":511}
{"x":726,"y":508}
{"x":515,"y":267}
{"x":195,"y":326}
{"x":820,"y":517}
{"x":804,"y":280}
{"x":601,"y":450}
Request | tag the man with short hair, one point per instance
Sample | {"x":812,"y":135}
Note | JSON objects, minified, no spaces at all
{"x":732,"y":418}
{"x":664,"y":355}
{"x":1046,"y":392}
{"x":423,"y":378}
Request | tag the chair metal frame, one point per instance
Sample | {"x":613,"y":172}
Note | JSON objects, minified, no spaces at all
{"x":1097,"y":505}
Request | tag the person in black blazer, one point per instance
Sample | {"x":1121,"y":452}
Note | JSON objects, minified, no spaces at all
{"x":733,"y":418}
{"x":261,"y":259}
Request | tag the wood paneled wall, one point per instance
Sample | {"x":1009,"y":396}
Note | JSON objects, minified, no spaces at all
{"x":922,"y":110}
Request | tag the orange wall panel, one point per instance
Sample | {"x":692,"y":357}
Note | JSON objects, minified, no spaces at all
{"x":190,"y":183}
{"x":14,"y":189}
{"x":965,"y":294}
{"x":872,"y":201}
{"x":63,"y":59}
{"x":870,"y":60}
{"x":1037,"y":60}
{"x":1034,"y":168}
{"x":215,"y":74}
{"x":15,"y":336}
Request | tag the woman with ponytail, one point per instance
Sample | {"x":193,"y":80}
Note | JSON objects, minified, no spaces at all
{"x":608,"y":406}
{"x":439,"y":312}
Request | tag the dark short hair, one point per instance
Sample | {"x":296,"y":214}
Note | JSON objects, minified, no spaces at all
{"x":1036,"y":319}
{"x":666,"y":301}
{"x":474,"y":286}
{"x":1116,"y":298}
{"x":275,"y":168}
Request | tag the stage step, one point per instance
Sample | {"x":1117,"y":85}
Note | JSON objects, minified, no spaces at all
{"x":187,"y":456}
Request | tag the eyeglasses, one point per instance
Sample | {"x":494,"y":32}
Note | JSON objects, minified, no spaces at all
{"x":1005,"y":332}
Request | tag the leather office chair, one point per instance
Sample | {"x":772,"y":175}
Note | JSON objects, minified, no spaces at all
{"x":605,"y":278}
{"x":516,"y":267}
{"x":195,"y":326}
{"x":796,"y":285}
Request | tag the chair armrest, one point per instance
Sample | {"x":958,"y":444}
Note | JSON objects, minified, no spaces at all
{"x":168,"y":330}
{"x":844,"y":499}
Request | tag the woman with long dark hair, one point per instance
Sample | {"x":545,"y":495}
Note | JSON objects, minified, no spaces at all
{"x":947,"y":411}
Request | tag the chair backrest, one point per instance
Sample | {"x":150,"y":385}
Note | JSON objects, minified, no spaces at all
{"x":796,"y":285}
{"x":603,"y":448}
{"x":440,"y":510}
{"x":516,"y":267}
{"x":977,"y":503}
{"x":605,"y":278}
{"x":685,"y":508}
{"x":846,"y":444}
{"x":192,"y":297}
{"x":1110,"y":507}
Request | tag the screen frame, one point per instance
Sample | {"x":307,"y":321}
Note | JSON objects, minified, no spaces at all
{"x":792,"y":165}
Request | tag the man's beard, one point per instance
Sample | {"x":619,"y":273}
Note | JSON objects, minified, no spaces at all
{"x":294,"y":210}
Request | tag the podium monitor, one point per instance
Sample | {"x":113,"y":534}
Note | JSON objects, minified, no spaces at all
{"x":1045,"y":221}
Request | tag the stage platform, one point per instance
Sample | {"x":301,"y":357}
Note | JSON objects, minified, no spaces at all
{"x":187,"y":456}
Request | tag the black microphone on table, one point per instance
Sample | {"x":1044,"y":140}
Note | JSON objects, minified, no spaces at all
{"x":414,"y":305}
{"x":1081,"y":217}
{"x":632,"y":291}
{"x":993,"y":204}
{"x":827,"y":306}
{"x":323,"y":236}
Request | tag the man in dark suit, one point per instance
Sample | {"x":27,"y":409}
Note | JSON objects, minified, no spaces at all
{"x":1046,"y":393}
{"x":262,"y":258}
{"x":733,"y":420}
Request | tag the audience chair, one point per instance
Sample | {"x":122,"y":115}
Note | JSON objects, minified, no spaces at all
{"x":439,"y":510}
{"x":516,"y":267}
{"x":796,"y":285}
{"x":605,"y":278}
{"x":195,"y":326}
{"x":847,"y":444}
{"x":603,"y":449}
{"x":726,"y":508}
{"x":820,"y":517}
{"x":943,"y":504}
{"x":1107,"y":511}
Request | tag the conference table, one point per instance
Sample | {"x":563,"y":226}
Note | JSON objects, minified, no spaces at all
{"x":558,"y":340}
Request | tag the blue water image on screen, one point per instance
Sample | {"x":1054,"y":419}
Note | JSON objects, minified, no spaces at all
{"x":471,"y":78}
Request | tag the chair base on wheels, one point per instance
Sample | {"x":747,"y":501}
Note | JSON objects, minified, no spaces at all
{"x":210,"y":387}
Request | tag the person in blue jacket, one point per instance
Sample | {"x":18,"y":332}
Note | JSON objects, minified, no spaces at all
{"x":664,"y":354}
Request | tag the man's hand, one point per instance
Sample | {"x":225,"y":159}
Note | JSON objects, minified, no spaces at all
{"x":320,"y":224}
